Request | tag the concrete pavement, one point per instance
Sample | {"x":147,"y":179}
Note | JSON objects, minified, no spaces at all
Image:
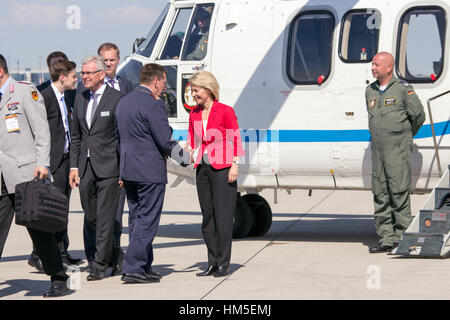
{"x":317,"y":248}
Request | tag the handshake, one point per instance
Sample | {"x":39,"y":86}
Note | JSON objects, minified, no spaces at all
{"x":181,"y":155}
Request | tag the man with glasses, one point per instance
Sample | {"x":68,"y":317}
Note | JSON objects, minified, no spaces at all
{"x":95,"y":165}
{"x":111,"y":54}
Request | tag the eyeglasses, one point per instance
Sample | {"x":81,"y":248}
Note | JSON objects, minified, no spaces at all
{"x":88,"y":73}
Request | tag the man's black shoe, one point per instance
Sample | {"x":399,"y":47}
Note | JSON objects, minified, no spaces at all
{"x":394,"y":246}
{"x":152,"y":273}
{"x":95,"y":275}
{"x":57,"y":290}
{"x":380,"y":249}
{"x":208,"y":272}
{"x":72,"y":260}
{"x":222,"y":271}
{"x":70,"y":263}
{"x":36,"y":263}
{"x":139,"y":278}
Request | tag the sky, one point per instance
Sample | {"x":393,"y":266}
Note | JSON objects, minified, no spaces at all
{"x":31,"y":29}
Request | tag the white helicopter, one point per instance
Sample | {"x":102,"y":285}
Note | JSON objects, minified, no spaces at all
{"x":295,"y":72}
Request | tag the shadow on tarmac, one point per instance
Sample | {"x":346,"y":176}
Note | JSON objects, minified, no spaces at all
{"x":311,"y":227}
{"x":33,"y":287}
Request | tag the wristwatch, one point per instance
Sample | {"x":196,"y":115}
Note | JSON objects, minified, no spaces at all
{"x":236,"y":162}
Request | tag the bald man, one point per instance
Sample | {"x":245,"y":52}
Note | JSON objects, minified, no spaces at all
{"x":395,"y":116}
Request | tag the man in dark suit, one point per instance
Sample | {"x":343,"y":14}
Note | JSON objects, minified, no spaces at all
{"x":59,"y":108}
{"x":111,"y":55}
{"x":145,"y":142}
{"x":94,"y":162}
{"x":56,"y":153}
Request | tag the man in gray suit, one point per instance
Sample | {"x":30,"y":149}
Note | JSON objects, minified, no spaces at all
{"x":111,"y":55}
{"x":25,"y":154}
{"x":94,"y":163}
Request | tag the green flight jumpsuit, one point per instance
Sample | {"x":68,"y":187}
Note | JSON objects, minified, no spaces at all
{"x":395,"y":116}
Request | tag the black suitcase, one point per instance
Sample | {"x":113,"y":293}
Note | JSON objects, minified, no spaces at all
{"x":41,"y":206}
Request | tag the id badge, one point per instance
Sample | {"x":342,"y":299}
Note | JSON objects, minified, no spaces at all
{"x":12,"y":123}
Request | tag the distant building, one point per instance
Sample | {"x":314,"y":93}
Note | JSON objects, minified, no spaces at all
{"x":34,"y":75}
{"x":31,"y":75}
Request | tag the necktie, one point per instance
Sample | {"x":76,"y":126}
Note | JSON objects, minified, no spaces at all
{"x":0,"y":97}
{"x":111,"y":83}
{"x":66,"y":118}
{"x":94,"y":106}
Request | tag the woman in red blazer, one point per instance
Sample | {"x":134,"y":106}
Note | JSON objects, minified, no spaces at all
{"x":216,"y":147}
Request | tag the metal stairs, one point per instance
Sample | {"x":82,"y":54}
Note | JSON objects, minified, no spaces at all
{"x":429,"y":233}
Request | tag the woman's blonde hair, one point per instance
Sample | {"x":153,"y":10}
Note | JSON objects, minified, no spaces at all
{"x":206,"y":80}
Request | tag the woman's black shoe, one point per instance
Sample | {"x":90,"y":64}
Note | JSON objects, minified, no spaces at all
{"x":209,"y":272}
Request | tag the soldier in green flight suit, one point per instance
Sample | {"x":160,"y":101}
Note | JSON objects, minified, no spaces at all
{"x":395,"y":116}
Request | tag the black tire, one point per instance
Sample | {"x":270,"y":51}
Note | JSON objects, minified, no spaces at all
{"x":262,"y":214}
{"x":243,"y":219}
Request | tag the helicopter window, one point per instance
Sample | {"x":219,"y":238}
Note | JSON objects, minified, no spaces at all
{"x":309,"y":48}
{"x":146,"y":45}
{"x":197,"y":38}
{"x":421,"y":44}
{"x":359,"y":35}
{"x":172,"y":48}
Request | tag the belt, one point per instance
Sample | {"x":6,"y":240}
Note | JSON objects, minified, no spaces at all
{"x":66,"y":156}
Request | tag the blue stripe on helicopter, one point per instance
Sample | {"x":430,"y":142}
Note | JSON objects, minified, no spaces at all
{"x":259,"y":135}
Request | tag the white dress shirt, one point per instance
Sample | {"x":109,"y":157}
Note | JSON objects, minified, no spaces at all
{"x":98,"y":97}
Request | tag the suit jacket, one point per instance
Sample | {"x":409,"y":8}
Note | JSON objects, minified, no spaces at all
{"x":222,"y":140}
{"x":145,"y":137}
{"x":100,"y":139}
{"x":43,"y":85}
{"x":23,"y":149}
{"x":54,"y":117}
{"x":125,"y":85}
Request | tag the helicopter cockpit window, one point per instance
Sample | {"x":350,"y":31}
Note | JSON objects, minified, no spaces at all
{"x":309,"y":48}
{"x":198,"y":33}
{"x":146,"y":45}
{"x":359,"y":35}
{"x":172,"y":47}
{"x":421,"y":44}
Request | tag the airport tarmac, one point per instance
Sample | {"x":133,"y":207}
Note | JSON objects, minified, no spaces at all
{"x":316,"y":248}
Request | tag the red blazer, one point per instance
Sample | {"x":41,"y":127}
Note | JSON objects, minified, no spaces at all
{"x":222,"y":140}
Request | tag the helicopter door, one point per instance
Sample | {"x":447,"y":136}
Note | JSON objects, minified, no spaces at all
{"x":184,"y":52}
{"x":196,"y":52}
{"x":170,"y":55}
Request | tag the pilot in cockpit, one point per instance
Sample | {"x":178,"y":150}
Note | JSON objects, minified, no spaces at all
{"x":198,"y":49}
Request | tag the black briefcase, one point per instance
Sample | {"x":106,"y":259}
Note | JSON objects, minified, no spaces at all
{"x":41,"y":206}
